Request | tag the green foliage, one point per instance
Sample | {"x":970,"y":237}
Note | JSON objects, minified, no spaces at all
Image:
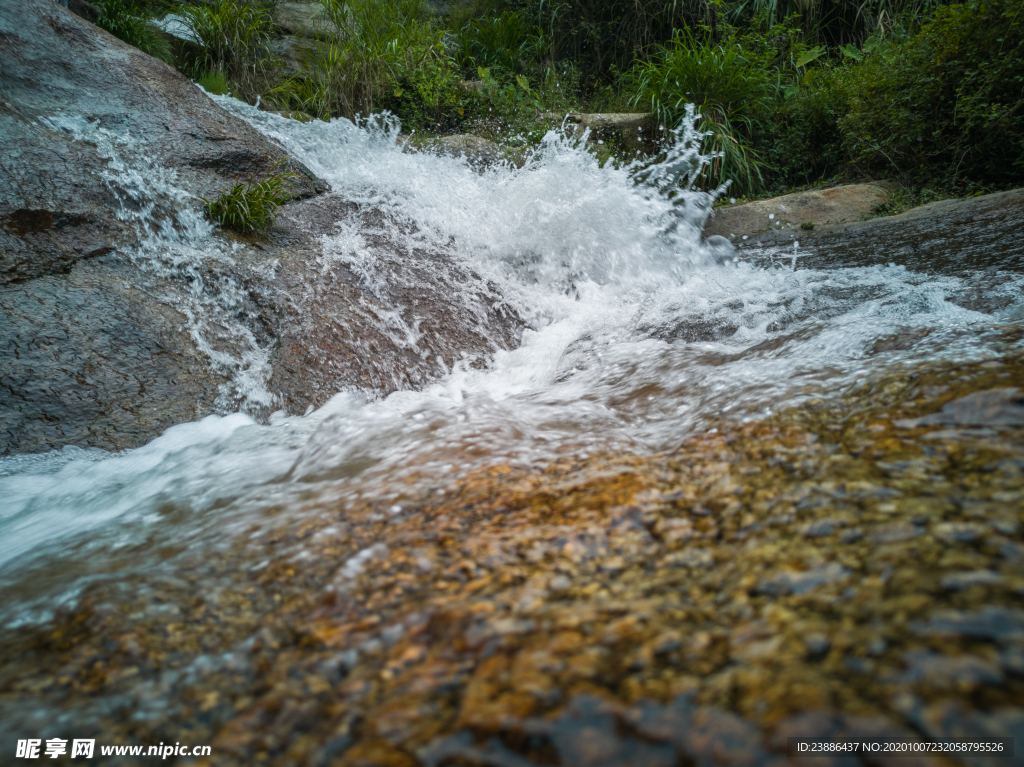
{"x":251,"y":207}
{"x":839,"y":23}
{"x":214,"y":82}
{"x":235,"y":38}
{"x":946,"y":102}
{"x":130,"y":20}
{"x":801,"y":141}
{"x":378,"y":45}
{"x":510,"y":43}
{"x":734,"y":82}
{"x":430,"y":97}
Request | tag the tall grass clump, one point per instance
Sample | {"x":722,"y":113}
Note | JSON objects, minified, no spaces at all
{"x":131,"y":21}
{"x":234,"y":38}
{"x":368,"y":48}
{"x":733,"y":87}
{"x":250,"y":207}
{"x":511,"y":43}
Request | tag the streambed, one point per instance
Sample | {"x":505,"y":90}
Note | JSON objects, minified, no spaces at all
{"x":704,"y":490}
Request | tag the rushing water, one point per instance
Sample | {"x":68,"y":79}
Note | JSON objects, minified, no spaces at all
{"x":640,"y":335}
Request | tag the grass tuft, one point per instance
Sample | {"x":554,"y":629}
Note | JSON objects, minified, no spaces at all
{"x":250,"y":207}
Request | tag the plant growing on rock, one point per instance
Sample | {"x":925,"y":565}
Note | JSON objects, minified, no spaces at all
{"x":250,"y":207}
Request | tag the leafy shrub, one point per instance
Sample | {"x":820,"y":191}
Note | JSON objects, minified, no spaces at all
{"x":430,"y":97}
{"x":946,"y":102}
{"x":129,"y":20}
{"x":235,"y":39}
{"x":251,"y":207}
{"x":802,"y":142}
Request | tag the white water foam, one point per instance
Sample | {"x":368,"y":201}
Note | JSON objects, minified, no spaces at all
{"x":641,"y":335}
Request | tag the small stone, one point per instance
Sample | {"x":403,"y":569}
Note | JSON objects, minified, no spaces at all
{"x":876,"y":647}
{"x":1012,"y":551}
{"x":692,"y":558}
{"x":817,"y":645}
{"x":958,"y":581}
{"x":852,"y":535}
{"x":559,"y":583}
{"x":1007,"y":526}
{"x":1000,"y":624}
{"x":958,"y":532}
{"x":1012,"y":660}
{"x":858,"y":665}
{"x":894,"y":533}
{"x":963,"y":672}
{"x":802,"y":582}
{"x":820,"y":528}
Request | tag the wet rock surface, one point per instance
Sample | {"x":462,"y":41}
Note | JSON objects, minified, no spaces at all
{"x":108,"y":356}
{"x":947,"y":237}
{"x":90,"y":359}
{"x":106,"y":343}
{"x":410,"y":321}
{"x":61,"y":73}
{"x":693,"y":607}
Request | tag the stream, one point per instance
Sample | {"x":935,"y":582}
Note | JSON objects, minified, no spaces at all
{"x":638,"y":336}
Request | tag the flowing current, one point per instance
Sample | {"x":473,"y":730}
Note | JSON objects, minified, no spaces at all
{"x":639,"y":335}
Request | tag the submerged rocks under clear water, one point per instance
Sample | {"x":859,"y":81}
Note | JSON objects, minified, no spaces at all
{"x":696,"y":606}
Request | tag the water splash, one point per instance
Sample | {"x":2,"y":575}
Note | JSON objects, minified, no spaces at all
{"x":641,"y":334}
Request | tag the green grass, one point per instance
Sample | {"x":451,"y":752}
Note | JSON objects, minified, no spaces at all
{"x":731,"y":88}
{"x":214,"y":82}
{"x":250,"y":207}
{"x":129,"y":20}
{"x":234,"y":37}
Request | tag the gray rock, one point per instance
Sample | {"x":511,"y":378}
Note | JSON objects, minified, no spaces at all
{"x":304,"y":20}
{"x":821,"y":528}
{"x":1012,"y":551}
{"x":947,"y":237}
{"x":964,"y":580}
{"x":895,"y":533}
{"x":851,"y":536}
{"x":59,"y":73}
{"x":958,"y":532}
{"x":999,"y":624}
{"x":1012,"y":660}
{"x":785,"y":583}
{"x":817,"y":644}
{"x":818,"y":207}
{"x":943,"y":672}
{"x":636,"y":131}
{"x":996,"y":407}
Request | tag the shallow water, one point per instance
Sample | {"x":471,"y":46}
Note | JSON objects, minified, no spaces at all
{"x":640,"y":335}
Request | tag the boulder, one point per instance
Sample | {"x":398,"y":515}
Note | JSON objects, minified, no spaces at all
{"x":104,"y":343}
{"x":60,"y":75}
{"x":635,"y":131}
{"x":295,"y":52}
{"x":816,"y":208}
{"x":946,"y":237}
{"x":304,"y":20}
